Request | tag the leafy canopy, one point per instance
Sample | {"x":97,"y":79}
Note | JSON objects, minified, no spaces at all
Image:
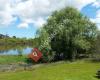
{"x":74,"y":33}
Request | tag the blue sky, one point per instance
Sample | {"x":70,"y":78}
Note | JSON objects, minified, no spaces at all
{"x":22,"y":18}
{"x":13,"y":30}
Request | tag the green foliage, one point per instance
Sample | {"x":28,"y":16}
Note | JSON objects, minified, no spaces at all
{"x":17,"y":41}
{"x":44,"y":44}
{"x":97,"y":47}
{"x":74,"y":34}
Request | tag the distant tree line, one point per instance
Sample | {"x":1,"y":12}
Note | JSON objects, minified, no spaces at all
{"x":7,"y":40}
{"x":3,"y":36}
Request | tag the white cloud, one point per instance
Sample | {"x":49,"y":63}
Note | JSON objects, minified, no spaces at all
{"x":97,"y":19}
{"x":96,"y":4}
{"x":39,"y":22}
{"x":23,"y":25}
{"x":79,"y":4}
{"x":98,"y":15}
{"x":5,"y":16}
{"x":29,"y":10}
{"x":98,"y":26}
{"x":34,"y":11}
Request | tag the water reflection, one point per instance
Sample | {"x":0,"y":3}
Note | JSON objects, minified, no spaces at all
{"x":15,"y":50}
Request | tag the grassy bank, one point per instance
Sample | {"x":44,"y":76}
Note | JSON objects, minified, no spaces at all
{"x":6,"y":59}
{"x":79,"y":70}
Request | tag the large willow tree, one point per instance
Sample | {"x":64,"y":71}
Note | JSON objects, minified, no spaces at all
{"x":74,"y":34}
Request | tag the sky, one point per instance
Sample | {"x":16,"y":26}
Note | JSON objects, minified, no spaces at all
{"x":22,"y":18}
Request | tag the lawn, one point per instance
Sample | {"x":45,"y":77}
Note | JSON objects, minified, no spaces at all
{"x":79,"y":70}
{"x":7,"y":59}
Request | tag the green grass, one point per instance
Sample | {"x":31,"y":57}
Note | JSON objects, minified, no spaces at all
{"x":6,"y":59}
{"x":79,"y":70}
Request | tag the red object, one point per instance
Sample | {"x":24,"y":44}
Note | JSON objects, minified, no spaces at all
{"x":35,"y":55}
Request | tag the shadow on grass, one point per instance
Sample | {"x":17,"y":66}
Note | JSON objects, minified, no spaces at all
{"x":95,"y":60}
{"x":98,"y":74}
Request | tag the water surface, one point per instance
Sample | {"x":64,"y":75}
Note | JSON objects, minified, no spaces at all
{"x":15,"y":50}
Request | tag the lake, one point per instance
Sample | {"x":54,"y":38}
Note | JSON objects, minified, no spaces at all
{"x":15,"y":50}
